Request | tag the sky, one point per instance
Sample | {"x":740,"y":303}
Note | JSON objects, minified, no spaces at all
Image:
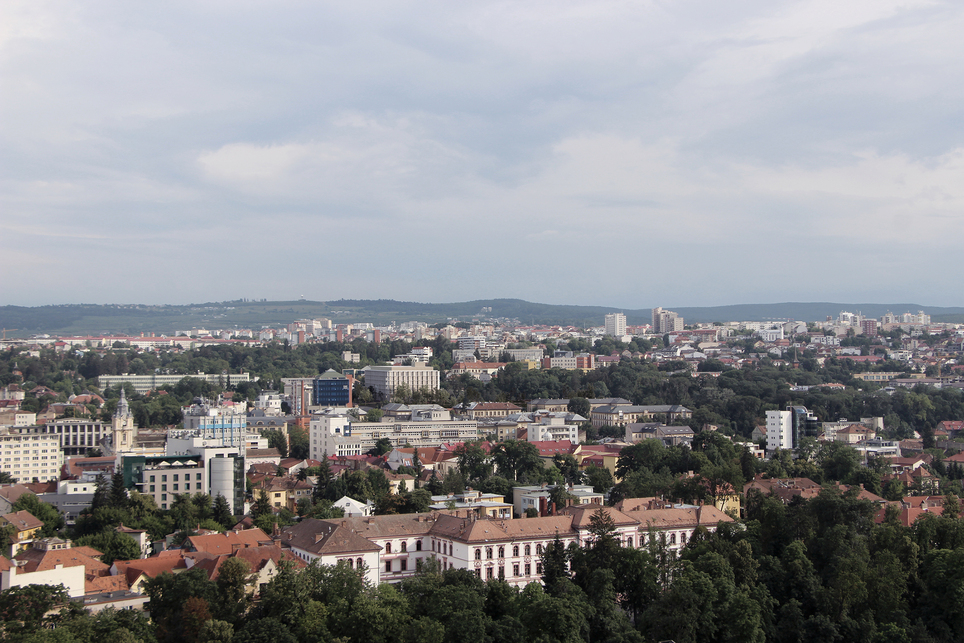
{"x":626,"y":154}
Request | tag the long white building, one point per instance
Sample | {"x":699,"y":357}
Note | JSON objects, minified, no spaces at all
{"x":386,"y":379}
{"x":333,"y":432}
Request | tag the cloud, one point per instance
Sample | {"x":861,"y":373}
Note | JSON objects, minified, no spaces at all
{"x":658,"y":153}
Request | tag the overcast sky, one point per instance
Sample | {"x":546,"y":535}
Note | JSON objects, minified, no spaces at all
{"x":629,"y":154}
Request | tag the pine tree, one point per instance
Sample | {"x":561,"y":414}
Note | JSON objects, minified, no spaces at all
{"x":222,"y":512}
{"x":324,"y":480}
{"x":118,"y":493}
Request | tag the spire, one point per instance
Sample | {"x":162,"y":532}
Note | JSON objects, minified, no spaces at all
{"x":123,"y":410}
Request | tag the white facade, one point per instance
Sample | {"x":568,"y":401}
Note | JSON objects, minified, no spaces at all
{"x":27,"y":453}
{"x":616,"y":324}
{"x":385,"y":379}
{"x":334,"y":433}
{"x":553,"y":427}
{"x":779,"y":431}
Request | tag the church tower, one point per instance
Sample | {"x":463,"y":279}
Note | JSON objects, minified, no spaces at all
{"x":122,"y":426}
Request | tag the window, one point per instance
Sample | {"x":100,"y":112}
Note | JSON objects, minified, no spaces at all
{"x":164,"y":478}
{"x":515,"y":569}
{"x":163,"y":487}
{"x":528,"y":569}
{"x":404,"y":564}
{"x":539,"y":569}
{"x":175,"y":477}
{"x":478,"y":554}
{"x":501,"y":551}
{"x":152,"y":478}
{"x":629,"y":541}
{"x":418,"y":545}
{"x":198,"y":477}
{"x":163,"y":497}
{"x":515,"y":551}
{"x":404,"y":546}
{"x":682,"y":538}
{"x":539,"y":549}
{"x":501,"y":572}
{"x":152,"y":488}
{"x":488,"y":553}
{"x":489,"y":574}
{"x":528,"y":551}
{"x":359,"y":563}
{"x":388,"y":548}
{"x":388,"y":567}
{"x":175,"y":487}
{"x":478,"y":573}
{"x":351,"y":564}
{"x":672,"y":539}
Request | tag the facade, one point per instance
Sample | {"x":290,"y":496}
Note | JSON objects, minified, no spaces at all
{"x":335,"y":434}
{"x":331,"y":388}
{"x":553,"y":427}
{"x":145,"y":383}
{"x":666,"y":321}
{"x":299,"y":391}
{"x":779,"y":431}
{"x":227,"y":424}
{"x":623,"y":414}
{"x":615,"y":324}
{"x":27,"y":453}
{"x":392,"y":548}
{"x":191,"y":465}
{"x":385,"y":379}
{"x":570,"y":361}
{"x":77,"y":435}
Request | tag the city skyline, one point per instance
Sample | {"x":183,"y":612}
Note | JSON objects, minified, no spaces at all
{"x":597,"y":153}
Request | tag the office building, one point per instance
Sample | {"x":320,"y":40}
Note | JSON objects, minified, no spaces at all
{"x":331,"y":388}
{"x":385,"y":379}
{"x":666,"y":321}
{"x":145,"y":383}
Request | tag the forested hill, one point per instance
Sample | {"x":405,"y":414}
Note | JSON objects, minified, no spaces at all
{"x":134,"y":318}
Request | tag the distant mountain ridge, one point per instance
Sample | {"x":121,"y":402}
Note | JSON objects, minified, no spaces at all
{"x":93,"y":319}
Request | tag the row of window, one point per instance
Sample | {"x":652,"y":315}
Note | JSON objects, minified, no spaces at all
{"x":527,"y":568}
{"x":489,"y":551}
{"x":187,"y":476}
{"x":187,"y":487}
{"x":418,"y":546}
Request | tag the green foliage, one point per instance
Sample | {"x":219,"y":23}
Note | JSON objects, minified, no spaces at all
{"x":112,"y":544}
{"x":53,"y":520}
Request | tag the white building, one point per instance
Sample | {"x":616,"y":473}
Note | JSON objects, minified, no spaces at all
{"x":779,"y":431}
{"x":553,"y":427}
{"x":334,"y":433}
{"x":27,"y":453}
{"x":385,"y":379}
{"x":615,"y":324}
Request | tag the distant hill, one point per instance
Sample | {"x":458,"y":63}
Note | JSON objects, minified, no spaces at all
{"x":96,"y":319}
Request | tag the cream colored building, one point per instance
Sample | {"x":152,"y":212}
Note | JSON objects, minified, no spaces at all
{"x":27,"y":453}
{"x":386,"y":379}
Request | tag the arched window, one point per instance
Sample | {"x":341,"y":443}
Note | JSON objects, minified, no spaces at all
{"x":388,"y":548}
{"x":502,"y":551}
{"x":682,"y":538}
{"x":351,"y":564}
{"x":672,"y":539}
{"x":404,"y":546}
{"x":515,"y":551}
{"x":359,"y":563}
{"x":528,"y":550}
{"x":488,"y":553}
{"x":418,"y":545}
{"x":478,"y":554}
{"x":629,"y":541}
{"x":539,"y":549}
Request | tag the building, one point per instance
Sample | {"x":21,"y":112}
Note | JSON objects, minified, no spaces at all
{"x":77,"y":435}
{"x":27,"y":453}
{"x":615,"y":324}
{"x":299,"y":392}
{"x":331,"y":388}
{"x":623,"y":414}
{"x":570,"y":361}
{"x":224,"y":423}
{"x":666,"y":321}
{"x":191,"y":465}
{"x":553,"y":427}
{"x":385,"y":379}
{"x":145,"y":383}
{"x":391,"y":548}
{"x":335,"y":434}
{"x":779,"y":431}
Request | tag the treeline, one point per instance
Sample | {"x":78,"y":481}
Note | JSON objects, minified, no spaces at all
{"x":812,"y":571}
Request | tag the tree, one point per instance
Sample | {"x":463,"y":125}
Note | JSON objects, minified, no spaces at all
{"x":580,"y":406}
{"x":113,"y":545}
{"x":52,"y":519}
{"x":320,"y":492}
{"x":234,"y":578}
{"x":222,"y":512}
{"x":262,"y":505}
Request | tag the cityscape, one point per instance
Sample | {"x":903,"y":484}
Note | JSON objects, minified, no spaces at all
{"x":438,"y":322}
{"x":513,"y":453}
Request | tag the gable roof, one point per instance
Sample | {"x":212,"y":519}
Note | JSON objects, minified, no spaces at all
{"x":321,"y":537}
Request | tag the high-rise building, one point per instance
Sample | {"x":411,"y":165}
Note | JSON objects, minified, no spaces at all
{"x":666,"y":321}
{"x":616,"y":324}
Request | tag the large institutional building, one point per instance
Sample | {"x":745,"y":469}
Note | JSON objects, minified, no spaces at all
{"x":385,"y":379}
{"x":145,"y":383}
{"x":333,"y":432}
{"x":391,"y":548}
